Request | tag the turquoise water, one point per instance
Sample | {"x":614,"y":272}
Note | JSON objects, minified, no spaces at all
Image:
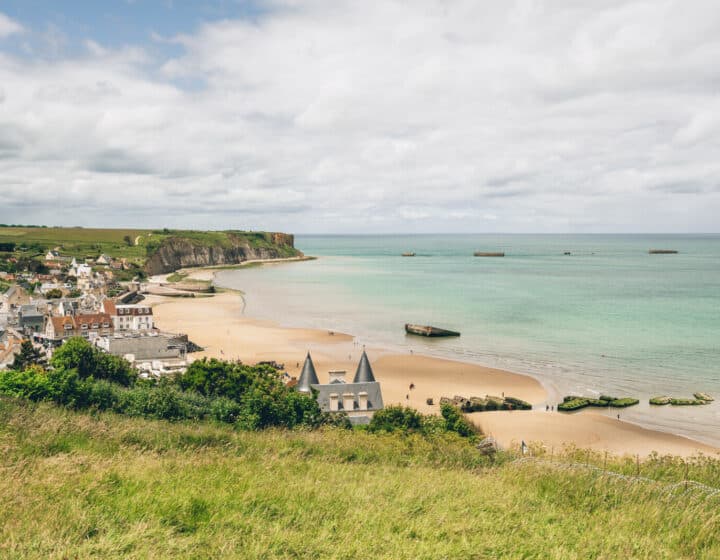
{"x":607,"y":318}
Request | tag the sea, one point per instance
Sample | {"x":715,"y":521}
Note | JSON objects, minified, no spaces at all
{"x":584,"y":314}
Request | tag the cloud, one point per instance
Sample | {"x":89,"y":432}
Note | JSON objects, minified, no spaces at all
{"x":392,"y":116}
{"x":8,"y":26}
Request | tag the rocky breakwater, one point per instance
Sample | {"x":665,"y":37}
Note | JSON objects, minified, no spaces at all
{"x":217,"y":248}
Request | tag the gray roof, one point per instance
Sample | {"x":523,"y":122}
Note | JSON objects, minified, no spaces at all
{"x":308,"y":376}
{"x":374,"y":395}
{"x":364,"y":373}
{"x":30,"y":311}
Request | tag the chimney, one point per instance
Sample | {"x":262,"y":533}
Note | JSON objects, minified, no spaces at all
{"x":336,"y":376}
{"x":348,"y":401}
{"x":362,"y":400}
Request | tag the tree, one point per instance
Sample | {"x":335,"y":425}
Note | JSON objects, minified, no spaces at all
{"x":128,"y":241}
{"x":77,"y":353}
{"x":28,"y":356}
{"x":55,"y":293}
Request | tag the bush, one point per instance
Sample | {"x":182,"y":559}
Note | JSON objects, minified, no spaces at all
{"x":396,"y":418}
{"x":31,"y":383}
{"x":456,"y":422}
{"x":223,"y":409}
{"x":78,"y":354}
{"x":211,"y":377}
{"x":163,"y":402}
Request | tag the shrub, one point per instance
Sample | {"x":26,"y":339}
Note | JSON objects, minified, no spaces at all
{"x":223,"y":409}
{"x":31,"y":383}
{"x":456,"y":422}
{"x":77,"y":353}
{"x":211,"y":377}
{"x":103,"y":395}
{"x":396,"y":418}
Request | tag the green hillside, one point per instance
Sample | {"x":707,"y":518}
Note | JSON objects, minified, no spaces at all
{"x":78,"y":485}
{"x":136,"y":245}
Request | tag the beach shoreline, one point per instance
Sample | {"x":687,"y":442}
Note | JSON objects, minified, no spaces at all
{"x":219,"y":325}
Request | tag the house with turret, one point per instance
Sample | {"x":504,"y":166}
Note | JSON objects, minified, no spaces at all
{"x":358,"y":399}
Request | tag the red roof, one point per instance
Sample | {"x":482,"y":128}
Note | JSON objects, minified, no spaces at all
{"x":109,"y":307}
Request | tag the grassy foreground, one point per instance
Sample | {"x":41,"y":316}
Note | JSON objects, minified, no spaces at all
{"x":76,"y":485}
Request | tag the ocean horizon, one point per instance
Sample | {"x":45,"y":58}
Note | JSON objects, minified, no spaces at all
{"x":606,"y":318}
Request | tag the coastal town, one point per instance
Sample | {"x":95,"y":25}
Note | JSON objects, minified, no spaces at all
{"x":55,"y":297}
{"x":50,"y":300}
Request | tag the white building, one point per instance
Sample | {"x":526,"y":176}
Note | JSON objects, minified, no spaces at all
{"x":134,"y":318}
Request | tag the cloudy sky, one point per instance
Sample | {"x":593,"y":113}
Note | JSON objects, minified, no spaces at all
{"x":345,"y":116}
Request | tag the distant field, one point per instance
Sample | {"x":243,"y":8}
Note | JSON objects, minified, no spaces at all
{"x":103,"y":486}
{"x":81,"y":242}
{"x":133,"y":244}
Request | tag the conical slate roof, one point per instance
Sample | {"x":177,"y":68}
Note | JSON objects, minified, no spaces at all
{"x":364,"y":373}
{"x":308,"y":376}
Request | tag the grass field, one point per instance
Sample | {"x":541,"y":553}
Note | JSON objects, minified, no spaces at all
{"x":77,"y":485}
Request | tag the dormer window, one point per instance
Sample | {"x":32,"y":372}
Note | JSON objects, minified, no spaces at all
{"x":106,"y":325}
{"x":84,"y":326}
{"x":68,"y":327}
{"x":95,"y":325}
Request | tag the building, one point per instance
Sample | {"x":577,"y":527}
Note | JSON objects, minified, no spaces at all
{"x":12,"y":296}
{"x":30,"y":319}
{"x":87,"y":325}
{"x":144,"y":348}
{"x":103,"y":259}
{"x":154,"y":355}
{"x":10,"y":343}
{"x":359,"y":399}
{"x":130,"y":318}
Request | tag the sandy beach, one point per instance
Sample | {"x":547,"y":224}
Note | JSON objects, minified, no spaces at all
{"x":218,"y":324}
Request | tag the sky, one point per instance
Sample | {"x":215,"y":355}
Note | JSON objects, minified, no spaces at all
{"x":338,"y":116}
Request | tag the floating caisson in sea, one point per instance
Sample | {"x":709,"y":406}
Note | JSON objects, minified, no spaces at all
{"x":427,"y":330}
{"x":489,"y":254}
{"x":662,"y":252}
{"x":408,"y":254}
